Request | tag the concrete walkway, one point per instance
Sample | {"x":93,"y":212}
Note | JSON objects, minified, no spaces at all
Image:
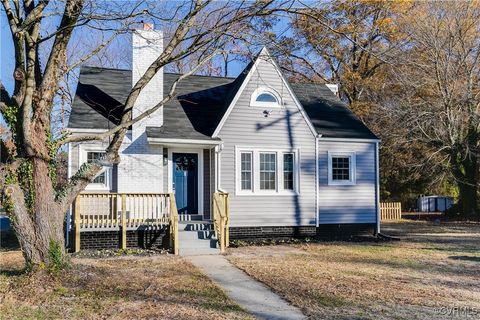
{"x":250,"y":294}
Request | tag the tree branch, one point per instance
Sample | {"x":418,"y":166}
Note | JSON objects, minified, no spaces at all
{"x":166,"y":99}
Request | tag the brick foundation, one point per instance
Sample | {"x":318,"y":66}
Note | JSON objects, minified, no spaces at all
{"x":237,"y":233}
{"x":158,"y":238}
{"x":342,"y":231}
{"x":327,"y":231}
{"x":141,"y":238}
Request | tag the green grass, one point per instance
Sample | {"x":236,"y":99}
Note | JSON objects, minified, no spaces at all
{"x":329,"y":300}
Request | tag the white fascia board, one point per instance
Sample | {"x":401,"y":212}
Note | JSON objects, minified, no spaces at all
{"x":236,"y":97}
{"x":349,"y":139}
{"x":183,"y":141}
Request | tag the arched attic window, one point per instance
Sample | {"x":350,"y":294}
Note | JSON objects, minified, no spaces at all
{"x":265,"y":97}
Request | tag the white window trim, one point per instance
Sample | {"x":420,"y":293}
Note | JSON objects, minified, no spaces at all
{"x":256,"y":191}
{"x":252,"y":169}
{"x":108,"y":170}
{"x":259,"y":91}
{"x":353,"y":167}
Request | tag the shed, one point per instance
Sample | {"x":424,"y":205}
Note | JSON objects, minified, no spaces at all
{"x":434,"y":203}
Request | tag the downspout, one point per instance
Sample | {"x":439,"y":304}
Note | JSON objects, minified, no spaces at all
{"x":218,"y":150}
{"x":219,"y":162}
{"x":377,"y":180}
{"x":216,"y":170}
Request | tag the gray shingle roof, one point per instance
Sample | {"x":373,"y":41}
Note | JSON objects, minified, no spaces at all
{"x":330,"y":116}
{"x":199,"y":105}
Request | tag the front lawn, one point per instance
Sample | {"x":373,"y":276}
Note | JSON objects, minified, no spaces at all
{"x":434,"y":269}
{"x":129,"y":287}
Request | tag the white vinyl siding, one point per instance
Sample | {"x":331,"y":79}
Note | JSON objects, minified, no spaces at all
{"x":347,"y":202}
{"x":284,"y":130}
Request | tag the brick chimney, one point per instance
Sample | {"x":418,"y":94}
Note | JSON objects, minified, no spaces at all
{"x":147,"y":45}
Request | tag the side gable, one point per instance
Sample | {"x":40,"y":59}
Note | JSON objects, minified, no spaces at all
{"x":265,"y":58}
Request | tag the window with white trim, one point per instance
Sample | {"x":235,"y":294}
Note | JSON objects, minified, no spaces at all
{"x":265,"y":97}
{"x":102,"y":180}
{"x":246,"y":171}
{"x":341,"y":168}
{"x":97,"y":156}
{"x":288,"y":173}
{"x":266,"y":172}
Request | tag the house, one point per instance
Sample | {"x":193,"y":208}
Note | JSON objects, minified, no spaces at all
{"x":292,"y":157}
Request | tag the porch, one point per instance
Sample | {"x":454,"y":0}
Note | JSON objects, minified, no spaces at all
{"x":122,"y":212}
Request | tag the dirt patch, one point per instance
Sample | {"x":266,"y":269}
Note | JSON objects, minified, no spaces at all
{"x":130,"y":287}
{"x":433,"y":269}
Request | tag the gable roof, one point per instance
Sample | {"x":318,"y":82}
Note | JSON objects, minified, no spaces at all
{"x":263,"y":55}
{"x":199,"y":104}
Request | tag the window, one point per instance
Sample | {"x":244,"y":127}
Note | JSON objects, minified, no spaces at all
{"x":268,"y":171}
{"x":96,"y":156}
{"x":288,"y":171}
{"x":246,"y":179}
{"x":341,"y":168}
{"x":265,"y":97}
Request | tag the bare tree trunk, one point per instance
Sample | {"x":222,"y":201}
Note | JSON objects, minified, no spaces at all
{"x":467,"y":181}
{"x":48,"y":215}
{"x":38,"y":221}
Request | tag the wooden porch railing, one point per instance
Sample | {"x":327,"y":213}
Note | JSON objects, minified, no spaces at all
{"x":173,"y":224}
{"x":122,"y":211}
{"x":221,"y":214}
{"x":390,"y":211}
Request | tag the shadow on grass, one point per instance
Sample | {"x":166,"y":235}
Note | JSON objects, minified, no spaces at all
{"x":465,"y":258}
{"x":13,"y":272}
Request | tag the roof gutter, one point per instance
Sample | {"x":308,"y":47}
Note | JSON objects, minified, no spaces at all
{"x":183,"y":141}
{"x":349,"y":139}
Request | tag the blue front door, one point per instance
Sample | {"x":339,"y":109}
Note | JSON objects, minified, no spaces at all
{"x":185,"y":182}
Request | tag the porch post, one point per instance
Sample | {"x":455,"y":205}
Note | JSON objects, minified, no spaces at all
{"x":124,"y":222}
{"x":76,"y":221}
{"x":227,"y":214}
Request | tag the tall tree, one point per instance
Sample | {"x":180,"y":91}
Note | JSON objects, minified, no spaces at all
{"x":438,"y":99}
{"x":346,"y":42}
{"x":29,"y":193}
